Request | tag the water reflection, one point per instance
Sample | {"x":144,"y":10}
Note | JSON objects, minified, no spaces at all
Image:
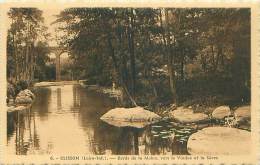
{"x":22,"y":132}
{"x":59,"y":105}
{"x":65,"y":120}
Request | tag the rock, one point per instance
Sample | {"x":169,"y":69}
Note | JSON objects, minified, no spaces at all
{"x":188,"y":116}
{"x":219,"y":141}
{"x":221,"y":112}
{"x":24,"y":97}
{"x":192,"y":118}
{"x":242,"y":113}
{"x":10,"y":108}
{"x":181,"y":110}
{"x":132,"y":117}
{"x":23,"y":100}
{"x":27,"y":93}
{"x":243,"y":117}
{"x":20,"y":108}
{"x":127,"y":123}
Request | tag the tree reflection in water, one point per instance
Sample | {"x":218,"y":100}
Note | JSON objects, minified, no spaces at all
{"x":24,"y":129}
{"x":133,"y":141}
{"x":74,"y":112}
{"x":59,"y":105}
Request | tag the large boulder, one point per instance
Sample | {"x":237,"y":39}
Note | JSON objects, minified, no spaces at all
{"x":24,"y":97}
{"x":242,"y":114}
{"x":181,"y":111}
{"x":221,"y":112}
{"x":137,"y":124}
{"x":132,"y":117}
{"x":219,"y":141}
{"x":23,"y":100}
{"x":183,"y":115}
{"x":27,"y":93}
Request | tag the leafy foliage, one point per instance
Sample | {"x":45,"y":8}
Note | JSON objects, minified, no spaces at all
{"x":167,"y":55}
{"x":187,"y":50}
{"x":27,"y":47}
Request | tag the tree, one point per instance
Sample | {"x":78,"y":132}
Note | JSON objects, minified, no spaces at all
{"x":25,"y":32}
{"x":163,"y":54}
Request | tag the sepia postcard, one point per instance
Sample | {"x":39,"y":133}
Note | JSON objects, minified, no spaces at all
{"x":129,"y":82}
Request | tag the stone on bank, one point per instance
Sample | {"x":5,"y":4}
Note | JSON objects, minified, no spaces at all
{"x":219,"y":141}
{"x":23,"y":101}
{"x":130,"y":117}
{"x":221,"y":112}
{"x":24,"y":97}
{"x":242,"y":113}
{"x":185,"y":115}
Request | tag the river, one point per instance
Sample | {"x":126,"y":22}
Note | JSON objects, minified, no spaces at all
{"x":65,"y":120}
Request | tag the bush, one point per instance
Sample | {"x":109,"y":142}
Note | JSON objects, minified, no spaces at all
{"x":21,"y":85}
{"x":212,"y":89}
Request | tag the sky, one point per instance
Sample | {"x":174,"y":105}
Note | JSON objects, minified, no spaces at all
{"x":49,"y":17}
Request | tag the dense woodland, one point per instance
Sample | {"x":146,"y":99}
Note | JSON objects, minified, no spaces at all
{"x":155,"y":55}
{"x":27,"y":47}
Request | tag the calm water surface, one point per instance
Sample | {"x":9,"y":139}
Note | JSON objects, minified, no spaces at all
{"x":65,"y":120}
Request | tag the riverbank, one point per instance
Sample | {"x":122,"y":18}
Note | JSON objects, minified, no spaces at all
{"x":109,"y":91}
{"x":23,"y":101}
{"x":195,"y":114}
{"x":56,"y":83}
{"x":58,"y":105}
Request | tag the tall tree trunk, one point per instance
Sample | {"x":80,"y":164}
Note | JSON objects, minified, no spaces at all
{"x":131,"y":51}
{"x":124,"y":69}
{"x":116,"y":66}
{"x":172,"y":77}
{"x":182,"y":66}
{"x":204,"y":62}
{"x":219,"y":54}
{"x":15,"y":59}
{"x":213,"y":54}
{"x":27,"y":54}
{"x":32,"y":63}
{"x":27,"y":65}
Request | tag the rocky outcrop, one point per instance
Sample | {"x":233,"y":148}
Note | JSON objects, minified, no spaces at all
{"x":132,"y":117}
{"x":242,"y":114}
{"x":183,"y":115}
{"x":24,"y":97}
{"x":219,"y":141}
{"x":221,"y":112}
